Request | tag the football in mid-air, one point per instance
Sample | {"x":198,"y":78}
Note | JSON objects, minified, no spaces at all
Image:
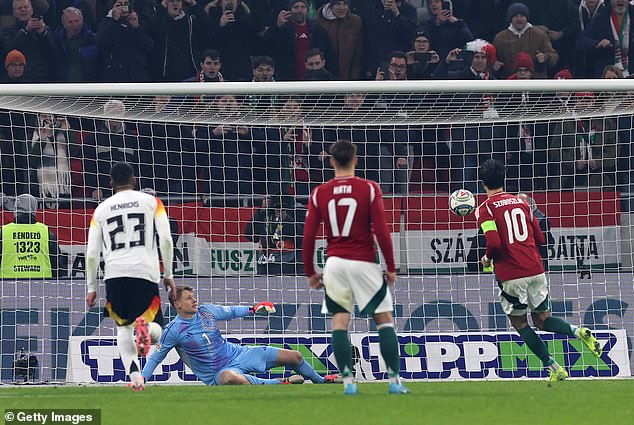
{"x":462,"y":202}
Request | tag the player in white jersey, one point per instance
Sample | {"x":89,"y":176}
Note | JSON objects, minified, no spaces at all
{"x":123,"y":227}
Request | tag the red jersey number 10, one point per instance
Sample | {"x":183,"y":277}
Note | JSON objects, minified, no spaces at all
{"x":516,"y":226}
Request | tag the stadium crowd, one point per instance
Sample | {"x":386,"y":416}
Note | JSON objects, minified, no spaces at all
{"x":276,"y":40}
{"x":154,"y":41}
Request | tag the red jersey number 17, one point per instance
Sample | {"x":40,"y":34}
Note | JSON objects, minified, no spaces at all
{"x":351,"y":203}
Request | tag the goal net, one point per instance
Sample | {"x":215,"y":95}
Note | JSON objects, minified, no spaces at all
{"x":234,"y":164}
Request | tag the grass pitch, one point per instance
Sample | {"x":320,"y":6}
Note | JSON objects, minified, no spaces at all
{"x":575,"y":402}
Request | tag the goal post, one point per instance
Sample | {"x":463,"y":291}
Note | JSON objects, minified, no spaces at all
{"x":215,"y":153}
{"x":423,"y":102}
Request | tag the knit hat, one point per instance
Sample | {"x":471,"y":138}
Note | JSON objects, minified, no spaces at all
{"x":422,"y":33}
{"x":482,"y":46}
{"x":292,"y":2}
{"x":524,"y":60}
{"x":25,"y":204}
{"x":334,"y":2}
{"x":516,"y":8}
{"x":14,"y":56}
{"x":564,"y":74}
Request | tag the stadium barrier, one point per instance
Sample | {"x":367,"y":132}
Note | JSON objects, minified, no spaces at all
{"x":211,"y":242}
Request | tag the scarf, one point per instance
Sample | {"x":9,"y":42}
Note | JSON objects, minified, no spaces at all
{"x":53,"y":175}
{"x":621,"y":41}
{"x":480,"y":75}
{"x":203,"y":78}
{"x":586,"y":138}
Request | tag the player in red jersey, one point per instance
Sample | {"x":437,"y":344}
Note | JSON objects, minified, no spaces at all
{"x":512,"y":234}
{"x":352,"y":211}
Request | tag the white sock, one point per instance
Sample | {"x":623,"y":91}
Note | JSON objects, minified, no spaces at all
{"x":395,"y":378}
{"x":155,"y":331}
{"x":127,"y":347}
{"x":347,"y":376}
{"x":577,"y":331}
{"x":553,"y":365}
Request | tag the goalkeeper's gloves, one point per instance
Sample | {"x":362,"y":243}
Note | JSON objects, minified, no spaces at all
{"x":263,"y":307}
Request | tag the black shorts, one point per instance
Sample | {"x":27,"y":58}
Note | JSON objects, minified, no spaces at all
{"x":128,"y":298}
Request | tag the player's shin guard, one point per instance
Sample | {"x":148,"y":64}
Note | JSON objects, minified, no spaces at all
{"x":127,"y":349}
{"x":343,"y":352}
{"x":388,"y":343}
{"x":308,"y":372}
{"x":559,"y":326}
{"x":535,"y":343}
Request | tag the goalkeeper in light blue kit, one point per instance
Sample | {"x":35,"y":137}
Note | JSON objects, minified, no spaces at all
{"x":214,"y":360}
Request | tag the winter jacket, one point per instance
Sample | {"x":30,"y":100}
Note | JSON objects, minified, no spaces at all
{"x":447,"y":36}
{"x":87,"y":51}
{"x":347,"y":39}
{"x":508,"y":45}
{"x":124,"y":51}
{"x":178,"y":43}
{"x":598,"y":29}
{"x":39,"y":50}
{"x":383,"y":33}
{"x":234,"y":41}
{"x":281,"y":46}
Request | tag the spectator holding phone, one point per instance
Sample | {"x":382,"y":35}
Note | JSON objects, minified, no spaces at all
{"x":31,"y":36}
{"x":475,"y":62}
{"x":233,"y":34}
{"x":394,"y":69}
{"x":124,"y":45}
{"x":446,"y":32}
{"x":421,"y":60}
{"x":388,"y":25}
{"x":49,"y":157}
{"x":292,"y":36}
{"x":472,"y":144}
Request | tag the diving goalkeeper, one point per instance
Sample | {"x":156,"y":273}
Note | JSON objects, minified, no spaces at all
{"x":214,"y":360}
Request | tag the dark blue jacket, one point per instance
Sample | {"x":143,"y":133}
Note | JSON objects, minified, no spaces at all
{"x":88,"y":52}
{"x":598,"y":29}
